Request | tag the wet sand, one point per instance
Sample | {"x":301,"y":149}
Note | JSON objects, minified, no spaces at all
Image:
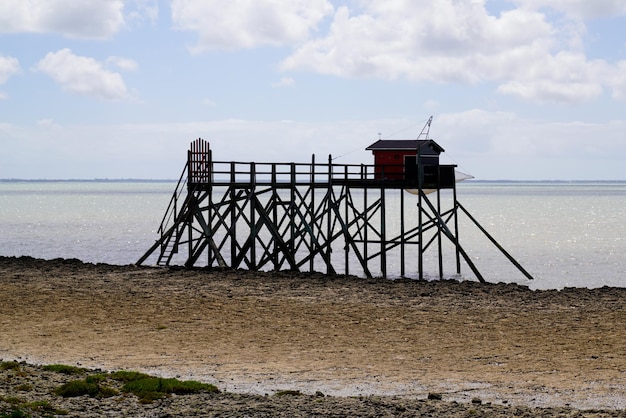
{"x":258,"y":333}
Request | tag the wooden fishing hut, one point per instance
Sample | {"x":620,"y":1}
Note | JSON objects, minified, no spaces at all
{"x":317,"y":216}
{"x":398,"y":160}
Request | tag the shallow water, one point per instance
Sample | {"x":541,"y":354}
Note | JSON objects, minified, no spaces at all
{"x":563,"y":234}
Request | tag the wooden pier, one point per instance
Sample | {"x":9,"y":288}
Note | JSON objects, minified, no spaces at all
{"x":316,"y":216}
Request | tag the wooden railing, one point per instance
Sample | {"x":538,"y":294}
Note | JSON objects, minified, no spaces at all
{"x":222,"y":173}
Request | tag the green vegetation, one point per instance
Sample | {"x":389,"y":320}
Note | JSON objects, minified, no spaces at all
{"x":41,"y":407}
{"x":98,"y":385}
{"x":9,"y":365}
{"x":78,"y":388}
{"x":11,"y":400}
{"x":16,"y":413}
{"x":97,"y":378}
{"x":145,"y":387}
{"x":89,"y":386}
{"x":107,"y":392}
{"x":128,"y":376}
{"x":65,"y":369}
{"x":288,"y":393}
{"x":148,"y":388}
{"x":151,"y":388}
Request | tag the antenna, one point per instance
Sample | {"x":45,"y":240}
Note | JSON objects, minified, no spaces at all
{"x":425,"y":129}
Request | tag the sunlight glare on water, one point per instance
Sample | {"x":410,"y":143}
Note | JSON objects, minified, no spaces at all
{"x":563,"y":234}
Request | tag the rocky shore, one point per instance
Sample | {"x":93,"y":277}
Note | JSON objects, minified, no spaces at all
{"x":29,"y":389}
{"x":294,"y":344}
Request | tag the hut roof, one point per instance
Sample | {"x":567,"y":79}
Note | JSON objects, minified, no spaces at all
{"x":404,"y":144}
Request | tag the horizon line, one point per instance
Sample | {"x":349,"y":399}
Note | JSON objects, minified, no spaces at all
{"x":145,"y":180}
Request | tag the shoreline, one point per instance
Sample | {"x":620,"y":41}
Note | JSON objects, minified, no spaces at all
{"x":41,"y":399}
{"x":261,"y":332}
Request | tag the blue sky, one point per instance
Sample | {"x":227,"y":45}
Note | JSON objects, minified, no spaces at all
{"x":519,"y":89}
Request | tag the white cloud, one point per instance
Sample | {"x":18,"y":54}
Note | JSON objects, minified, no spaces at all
{"x":502,"y":145}
{"x":230,"y":24}
{"x":285,"y":82}
{"x":46,"y":123}
{"x":140,"y":10}
{"x":455,"y":41}
{"x":122,"y":63}
{"x":488,"y":145}
{"x":8,"y":67}
{"x":72,"y":18}
{"x":619,"y":81}
{"x":83,"y":75}
{"x":438,"y":41}
{"x":564,"y":77}
{"x":583,"y":9}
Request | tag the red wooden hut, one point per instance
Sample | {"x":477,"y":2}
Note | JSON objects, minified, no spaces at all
{"x":397,"y":159}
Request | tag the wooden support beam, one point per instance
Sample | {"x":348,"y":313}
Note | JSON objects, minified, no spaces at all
{"x":498,"y":246}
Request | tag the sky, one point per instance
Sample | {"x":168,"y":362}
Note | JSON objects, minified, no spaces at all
{"x":518,"y":89}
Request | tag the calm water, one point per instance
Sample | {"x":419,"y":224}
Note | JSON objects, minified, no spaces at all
{"x":564,"y":234}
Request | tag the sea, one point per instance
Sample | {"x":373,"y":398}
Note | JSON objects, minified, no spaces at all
{"x":564,"y":234}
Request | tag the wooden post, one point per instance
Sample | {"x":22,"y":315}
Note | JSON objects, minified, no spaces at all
{"x":329,"y":214}
{"x":383,"y":234}
{"x":402,"y":234}
{"x":439,"y":249}
{"x":311,"y":211}
{"x":209,"y":216}
{"x":456,"y":229}
{"x":232,"y":231}
{"x":366,"y":226}
{"x":345,"y":195}
{"x":420,"y":248}
{"x":253,"y":225}
{"x":274,"y":215}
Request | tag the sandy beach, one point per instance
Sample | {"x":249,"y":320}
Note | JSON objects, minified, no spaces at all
{"x":258,"y":333}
